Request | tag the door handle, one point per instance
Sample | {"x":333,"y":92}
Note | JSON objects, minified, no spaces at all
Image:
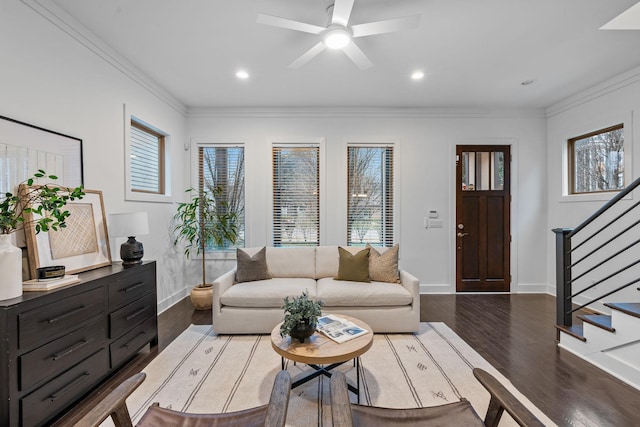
{"x":460,"y":234}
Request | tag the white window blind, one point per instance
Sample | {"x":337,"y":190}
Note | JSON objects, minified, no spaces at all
{"x":222,"y":167}
{"x":370,"y":195}
{"x":147,"y":159}
{"x":296,"y":196}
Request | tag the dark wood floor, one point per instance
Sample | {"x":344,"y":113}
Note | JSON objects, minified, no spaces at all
{"x":515,"y":333}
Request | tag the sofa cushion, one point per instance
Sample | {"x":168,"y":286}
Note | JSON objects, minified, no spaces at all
{"x":340,"y":293}
{"x":327,"y":259}
{"x":251,"y":267}
{"x":266,"y":293}
{"x":383,"y":266}
{"x":292,"y":262}
{"x":353,"y":267}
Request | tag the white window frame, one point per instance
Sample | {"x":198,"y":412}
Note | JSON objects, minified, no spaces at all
{"x":194,"y":178}
{"x":301,"y":142}
{"x":141,"y":196}
{"x":374,"y":142}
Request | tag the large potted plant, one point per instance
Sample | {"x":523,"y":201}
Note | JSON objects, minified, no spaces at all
{"x":300,"y":316}
{"x":47,"y":201}
{"x":202,"y":221}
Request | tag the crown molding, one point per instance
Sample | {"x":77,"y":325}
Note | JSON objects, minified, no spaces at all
{"x":69,"y":25}
{"x":601,"y":89}
{"x":359,"y":112}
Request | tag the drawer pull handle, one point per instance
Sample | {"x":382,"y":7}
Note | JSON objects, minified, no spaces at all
{"x":132,"y":288}
{"x":67,"y":314}
{"x":71,"y":349}
{"x":127,"y":345}
{"x":137,"y":313}
{"x":69,"y":386}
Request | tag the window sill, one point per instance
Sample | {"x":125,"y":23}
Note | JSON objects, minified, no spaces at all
{"x":592,"y":197}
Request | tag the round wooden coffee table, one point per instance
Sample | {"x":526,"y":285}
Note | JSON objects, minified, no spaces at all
{"x":322,"y":354}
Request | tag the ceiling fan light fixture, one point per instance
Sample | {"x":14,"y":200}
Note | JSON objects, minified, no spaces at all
{"x":337,"y":38}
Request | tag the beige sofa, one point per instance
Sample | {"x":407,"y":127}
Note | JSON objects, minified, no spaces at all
{"x":255,"y":307}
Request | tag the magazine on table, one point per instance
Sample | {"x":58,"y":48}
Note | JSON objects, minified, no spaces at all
{"x":338,"y":328}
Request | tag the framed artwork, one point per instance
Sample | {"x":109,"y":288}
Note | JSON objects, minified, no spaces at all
{"x":25,"y":148}
{"x":82,"y":245}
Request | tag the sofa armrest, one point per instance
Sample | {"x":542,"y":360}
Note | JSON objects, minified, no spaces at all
{"x":410,"y":282}
{"x":220,"y":285}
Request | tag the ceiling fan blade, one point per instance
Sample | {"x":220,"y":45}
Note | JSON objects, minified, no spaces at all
{"x":357,"y":56}
{"x":289,"y":24}
{"x":308,"y":55}
{"x":387,"y":26}
{"x":342,"y":12}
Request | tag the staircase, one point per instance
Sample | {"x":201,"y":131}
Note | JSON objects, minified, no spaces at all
{"x":610,"y":342}
{"x":597,"y":265}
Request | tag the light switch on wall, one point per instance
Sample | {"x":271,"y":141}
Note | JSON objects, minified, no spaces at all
{"x":436,"y":223}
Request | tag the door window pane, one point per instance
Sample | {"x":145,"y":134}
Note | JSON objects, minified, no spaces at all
{"x":482,"y":170}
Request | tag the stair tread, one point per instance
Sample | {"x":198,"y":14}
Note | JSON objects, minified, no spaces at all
{"x":630,"y":308}
{"x":600,"y":320}
{"x":575,"y":331}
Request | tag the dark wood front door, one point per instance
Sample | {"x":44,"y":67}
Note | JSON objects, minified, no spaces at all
{"x":482,"y":226}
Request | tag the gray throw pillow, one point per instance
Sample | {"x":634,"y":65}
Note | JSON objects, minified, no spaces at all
{"x":252,"y":268}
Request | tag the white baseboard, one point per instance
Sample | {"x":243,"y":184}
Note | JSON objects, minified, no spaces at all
{"x":437,"y":289}
{"x":445,"y":288}
{"x":530,"y":288}
{"x":171,"y":300}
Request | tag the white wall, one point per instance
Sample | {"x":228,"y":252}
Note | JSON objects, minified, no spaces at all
{"x":611,"y":102}
{"x":54,"y":77}
{"x":426,"y":177}
{"x":49,"y":79}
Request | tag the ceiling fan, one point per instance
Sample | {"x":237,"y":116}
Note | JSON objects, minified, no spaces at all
{"x":338,"y":34}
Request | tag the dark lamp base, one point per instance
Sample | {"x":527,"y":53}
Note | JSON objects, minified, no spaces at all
{"x":131,"y":252}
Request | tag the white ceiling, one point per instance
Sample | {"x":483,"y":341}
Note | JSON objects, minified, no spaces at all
{"x":474,"y":53}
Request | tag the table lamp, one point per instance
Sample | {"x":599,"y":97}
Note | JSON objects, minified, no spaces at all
{"x":129,"y":225}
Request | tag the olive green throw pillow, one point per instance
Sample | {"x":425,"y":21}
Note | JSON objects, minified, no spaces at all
{"x":383,"y":267}
{"x":354,"y":268}
{"x":252,"y":268}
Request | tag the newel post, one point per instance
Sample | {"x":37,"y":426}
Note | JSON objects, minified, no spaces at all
{"x":563,"y":276}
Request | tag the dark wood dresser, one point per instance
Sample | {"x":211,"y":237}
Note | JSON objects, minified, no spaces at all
{"x":58,"y":345}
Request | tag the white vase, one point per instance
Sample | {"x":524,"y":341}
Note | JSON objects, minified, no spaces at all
{"x":10,"y":268}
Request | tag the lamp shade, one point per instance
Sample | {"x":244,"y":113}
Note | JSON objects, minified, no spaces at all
{"x":128,"y":224}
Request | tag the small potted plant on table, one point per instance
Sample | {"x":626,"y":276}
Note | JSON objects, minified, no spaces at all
{"x":300,"y":316}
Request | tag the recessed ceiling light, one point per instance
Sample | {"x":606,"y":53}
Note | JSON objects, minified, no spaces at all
{"x":417,"y":75}
{"x":526,"y":82}
{"x":242,"y":75}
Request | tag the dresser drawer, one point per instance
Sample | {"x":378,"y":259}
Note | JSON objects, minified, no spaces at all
{"x":51,"y":359}
{"x":125,"y":347}
{"x":122,"y":320}
{"x":131,"y":287}
{"x":54,"y":396}
{"x":42,"y":324}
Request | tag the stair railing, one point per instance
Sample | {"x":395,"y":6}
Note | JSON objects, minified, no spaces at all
{"x":564,"y":250}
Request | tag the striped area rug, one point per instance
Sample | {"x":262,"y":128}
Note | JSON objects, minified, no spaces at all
{"x":201,"y":372}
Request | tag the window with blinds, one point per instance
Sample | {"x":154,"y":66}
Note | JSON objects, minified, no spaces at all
{"x":296,"y":196}
{"x":222,"y":167}
{"x":370,"y":195}
{"x":146,"y":159}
